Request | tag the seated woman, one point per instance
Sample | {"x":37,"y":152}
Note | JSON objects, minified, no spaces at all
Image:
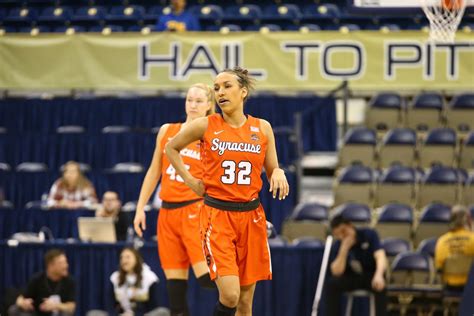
{"x":72,"y":190}
{"x":135,"y":285}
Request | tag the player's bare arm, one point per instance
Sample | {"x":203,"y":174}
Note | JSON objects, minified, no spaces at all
{"x":276,"y":175}
{"x":149,"y":183}
{"x":194,"y":131}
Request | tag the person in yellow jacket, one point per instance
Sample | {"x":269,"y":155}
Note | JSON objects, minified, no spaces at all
{"x":458,"y":241}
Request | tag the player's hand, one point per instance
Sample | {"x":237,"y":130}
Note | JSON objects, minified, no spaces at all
{"x":378,"y":282}
{"x":26,"y":304}
{"x":196,"y":185}
{"x":139,"y":222}
{"x":278,"y":184}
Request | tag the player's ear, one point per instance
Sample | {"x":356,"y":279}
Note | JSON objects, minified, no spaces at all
{"x":245,"y":92}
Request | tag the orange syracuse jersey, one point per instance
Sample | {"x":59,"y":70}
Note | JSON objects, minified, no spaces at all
{"x":173,"y":188}
{"x":233,"y":159}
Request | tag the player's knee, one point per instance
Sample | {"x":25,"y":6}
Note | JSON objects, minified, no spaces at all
{"x":206,"y":282}
{"x":177,"y":296}
{"x":230,"y":297}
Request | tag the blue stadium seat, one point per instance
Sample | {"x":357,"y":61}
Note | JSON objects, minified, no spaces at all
{"x":354,"y":184}
{"x":106,"y":29}
{"x":400,"y":136}
{"x":394,"y":246}
{"x":436,"y":212}
{"x":429,"y":100}
{"x":439,"y":148}
{"x":398,"y":174}
{"x":442,"y":175}
{"x":21,"y":16}
{"x":4,"y":166}
{"x":34,"y":30}
{"x":396,"y":213}
{"x":384,"y":111}
{"x":413,"y":261}
{"x":8,"y":29}
{"x":463,"y":101}
{"x":360,"y":135}
{"x":132,"y":13}
{"x":71,"y":29}
{"x":306,"y":27}
{"x":306,"y":220}
{"x":389,"y":28}
{"x":31,"y":167}
{"x":305,"y":242}
{"x":434,"y":221}
{"x":310,"y":211}
{"x":395,"y":220}
{"x":354,"y":212}
{"x":288,"y":12}
{"x":427,"y":246}
{"x":211,"y":12}
{"x":153,"y":13}
{"x":441,"y":136}
{"x":145,"y":29}
{"x":358,"y":147}
{"x":466,"y":160}
{"x":440,"y":184}
{"x":89,"y":16}
{"x":356,"y":174}
{"x":321,"y":11}
{"x":270,"y":28}
{"x":388,"y":100}
{"x":246,"y":12}
{"x":55,"y":15}
{"x":230,"y":28}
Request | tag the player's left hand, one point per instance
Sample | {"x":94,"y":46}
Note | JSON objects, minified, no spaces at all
{"x":378,"y":282}
{"x":279,"y":184}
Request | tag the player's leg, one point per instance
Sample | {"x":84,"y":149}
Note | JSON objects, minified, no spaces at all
{"x":174,"y":261}
{"x":244,"y":308}
{"x":201,"y":271}
{"x":229,"y":295}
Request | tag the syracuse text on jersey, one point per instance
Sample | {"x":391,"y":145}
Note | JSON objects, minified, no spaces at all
{"x":222,"y":146}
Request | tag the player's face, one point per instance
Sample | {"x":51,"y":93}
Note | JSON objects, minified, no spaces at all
{"x":127,"y":261}
{"x":229,"y":95}
{"x":71,"y":174}
{"x":60,"y":266}
{"x":342,"y":231}
{"x":197,"y":103}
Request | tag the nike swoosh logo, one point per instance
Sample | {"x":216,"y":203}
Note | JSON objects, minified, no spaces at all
{"x":257,"y":220}
{"x":191,"y":216}
{"x":218,"y":132}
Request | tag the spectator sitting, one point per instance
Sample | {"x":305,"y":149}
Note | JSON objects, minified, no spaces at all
{"x":458,"y":241}
{"x":112,"y":207}
{"x":177,"y":19}
{"x":48,"y":293}
{"x":134,"y":284}
{"x":72,"y":190}
{"x":360,"y":263}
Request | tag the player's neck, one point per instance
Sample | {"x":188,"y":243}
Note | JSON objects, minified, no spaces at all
{"x":235,"y":120}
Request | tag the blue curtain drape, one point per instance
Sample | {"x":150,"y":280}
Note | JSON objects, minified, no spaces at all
{"x":295,"y":272}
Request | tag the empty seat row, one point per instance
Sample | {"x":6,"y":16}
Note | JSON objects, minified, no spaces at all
{"x":106,"y":149}
{"x":403,"y":146}
{"x":393,"y":220}
{"x":403,"y":184}
{"x":429,"y":110}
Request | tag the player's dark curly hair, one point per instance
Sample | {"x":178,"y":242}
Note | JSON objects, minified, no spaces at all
{"x":243,"y":78}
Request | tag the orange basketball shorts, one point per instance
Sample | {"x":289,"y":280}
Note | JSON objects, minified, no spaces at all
{"x":235,"y":243}
{"x":179,"y":242}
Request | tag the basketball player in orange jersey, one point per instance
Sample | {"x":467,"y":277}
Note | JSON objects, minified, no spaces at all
{"x":235,"y":147}
{"x":178,"y":229}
